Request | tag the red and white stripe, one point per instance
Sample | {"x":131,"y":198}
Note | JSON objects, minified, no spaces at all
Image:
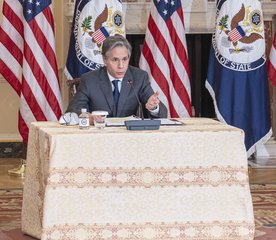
{"x":272,"y":62}
{"x":98,"y":36}
{"x":234,"y":35}
{"x":28,"y":63}
{"x":164,"y":57}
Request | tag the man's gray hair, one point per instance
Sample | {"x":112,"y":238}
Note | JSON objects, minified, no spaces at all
{"x":115,"y":41}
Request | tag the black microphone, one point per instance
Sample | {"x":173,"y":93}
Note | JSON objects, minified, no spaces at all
{"x":130,"y":82}
{"x":143,"y":124}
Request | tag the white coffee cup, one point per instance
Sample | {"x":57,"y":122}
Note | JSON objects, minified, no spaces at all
{"x":99,"y":118}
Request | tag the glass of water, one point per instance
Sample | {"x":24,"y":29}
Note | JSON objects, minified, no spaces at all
{"x":99,"y":118}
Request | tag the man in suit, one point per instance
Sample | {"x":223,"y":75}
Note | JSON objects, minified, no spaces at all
{"x":99,"y":91}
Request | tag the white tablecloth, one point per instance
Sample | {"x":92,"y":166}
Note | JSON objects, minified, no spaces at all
{"x":180,"y":182}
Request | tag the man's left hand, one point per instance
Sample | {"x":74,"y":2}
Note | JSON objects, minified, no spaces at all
{"x":153,"y":101}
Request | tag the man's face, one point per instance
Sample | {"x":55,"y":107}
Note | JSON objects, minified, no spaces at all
{"x":117,"y":62}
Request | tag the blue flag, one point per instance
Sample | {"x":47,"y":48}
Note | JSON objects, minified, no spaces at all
{"x":237,"y":75}
{"x":93,"y":22}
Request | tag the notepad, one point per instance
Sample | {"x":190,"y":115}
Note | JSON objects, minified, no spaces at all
{"x":170,"y":121}
{"x":117,"y":122}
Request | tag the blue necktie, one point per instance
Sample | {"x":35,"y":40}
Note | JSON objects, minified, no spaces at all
{"x":116,"y":93}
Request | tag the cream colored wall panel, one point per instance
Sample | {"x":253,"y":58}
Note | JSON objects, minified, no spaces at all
{"x":58,"y":16}
{"x":9,"y":105}
{"x":62,"y":41}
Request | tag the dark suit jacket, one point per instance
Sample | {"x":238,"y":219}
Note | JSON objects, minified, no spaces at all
{"x":95,"y":93}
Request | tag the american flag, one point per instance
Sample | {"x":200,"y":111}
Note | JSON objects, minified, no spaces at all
{"x":272,"y":62}
{"x":236,"y":34}
{"x":28,"y":60}
{"x":164,"y":56}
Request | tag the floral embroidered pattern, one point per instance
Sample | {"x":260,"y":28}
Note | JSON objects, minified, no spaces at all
{"x":158,"y":231}
{"x":148,"y":177}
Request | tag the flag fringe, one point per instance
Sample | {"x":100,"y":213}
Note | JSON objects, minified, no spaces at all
{"x":67,"y":74}
{"x":262,"y":141}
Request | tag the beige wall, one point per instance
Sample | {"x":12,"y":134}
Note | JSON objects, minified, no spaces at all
{"x":9,"y":101}
{"x":9,"y":104}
